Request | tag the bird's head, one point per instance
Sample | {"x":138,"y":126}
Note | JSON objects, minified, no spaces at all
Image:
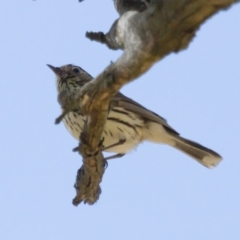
{"x":70,"y":77}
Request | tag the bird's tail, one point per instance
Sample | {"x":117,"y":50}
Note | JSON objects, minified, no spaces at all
{"x":159,"y":133}
{"x":203,"y":155}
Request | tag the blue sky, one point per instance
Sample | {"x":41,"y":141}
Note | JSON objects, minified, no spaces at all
{"x":155,"y":192}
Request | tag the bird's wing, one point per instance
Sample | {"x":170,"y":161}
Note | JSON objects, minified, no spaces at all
{"x":129,"y":104}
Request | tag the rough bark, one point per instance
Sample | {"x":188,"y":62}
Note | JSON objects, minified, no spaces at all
{"x":147,"y":36}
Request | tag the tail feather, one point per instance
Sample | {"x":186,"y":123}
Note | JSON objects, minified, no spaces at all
{"x":203,"y":155}
{"x":159,"y":133}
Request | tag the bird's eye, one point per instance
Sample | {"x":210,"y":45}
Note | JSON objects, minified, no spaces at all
{"x":76,"y":70}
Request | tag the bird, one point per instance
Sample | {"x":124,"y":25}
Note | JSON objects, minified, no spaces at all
{"x":128,"y":122}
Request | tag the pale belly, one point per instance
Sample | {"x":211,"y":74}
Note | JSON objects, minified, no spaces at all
{"x":117,"y":128}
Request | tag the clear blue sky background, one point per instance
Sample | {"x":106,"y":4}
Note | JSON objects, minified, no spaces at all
{"x":152,"y":193}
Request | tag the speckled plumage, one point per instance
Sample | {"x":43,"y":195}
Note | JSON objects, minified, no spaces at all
{"x":128,"y":121}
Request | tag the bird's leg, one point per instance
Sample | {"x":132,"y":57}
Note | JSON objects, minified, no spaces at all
{"x":121,"y":141}
{"x":114,"y":156}
{"x":100,"y":145}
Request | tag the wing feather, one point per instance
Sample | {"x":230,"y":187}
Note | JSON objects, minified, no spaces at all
{"x":130,"y":105}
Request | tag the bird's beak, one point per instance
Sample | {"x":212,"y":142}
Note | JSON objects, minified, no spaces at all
{"x":56,"y":70}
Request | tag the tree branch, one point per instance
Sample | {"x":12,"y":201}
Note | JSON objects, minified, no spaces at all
{"x":147,"y":36}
